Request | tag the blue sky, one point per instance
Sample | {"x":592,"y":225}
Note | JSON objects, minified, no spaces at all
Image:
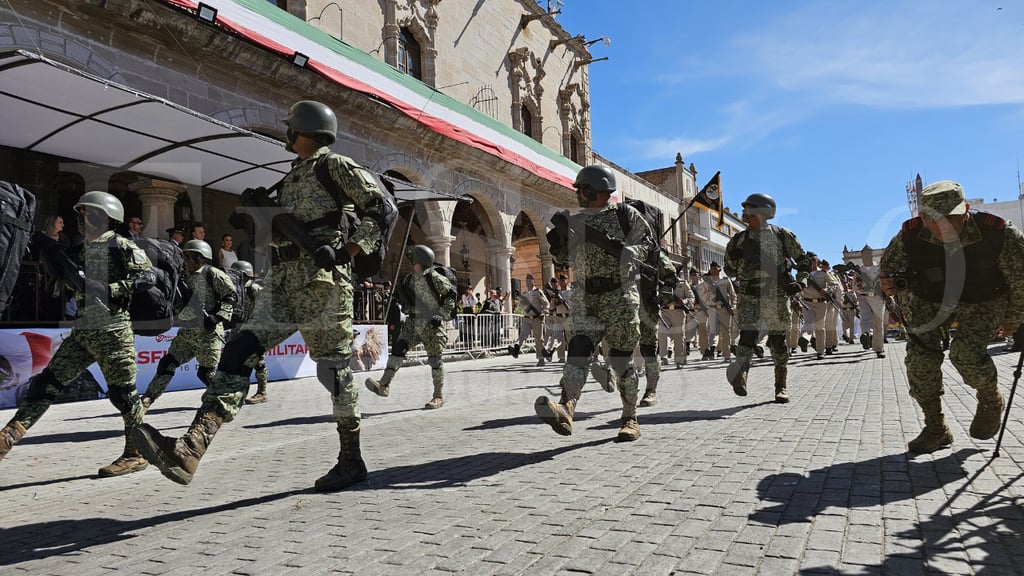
{"x":829,"y":106}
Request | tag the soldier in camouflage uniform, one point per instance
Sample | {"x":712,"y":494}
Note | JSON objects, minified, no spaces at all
{"x":308,"y":293}
{"x":654,"y":293}
{"x":606,"y":301}
{"x":759,"y":257}
{"x":428,"y":299}
{"x":252,"y":290}
{"x":114,"y":268}
{"x":677,"y":315}
{"x":201,"y":323}
{"x":958,"y":266}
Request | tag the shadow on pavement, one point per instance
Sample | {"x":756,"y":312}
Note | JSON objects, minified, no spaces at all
{"x":46,"y":539}
{"x":79,"y":436}
{"x":873,"y":482}
{"x":677,"y":416}
{"x":45,"y":482}
{"x":990,"y":529}
{"x":149,"y":412}
{"x":460,"y":470}
{"x":533,"y":420}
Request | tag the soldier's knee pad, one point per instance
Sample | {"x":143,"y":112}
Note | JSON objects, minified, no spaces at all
{"x":748,"y":338}
{"x":123,"y":398}
{"x":167,"y":365}
{"x":43,"y":386}
{"x":205,"y":374}
{"x":648,"y":350}
{"x":619,"y":360}
{"x":777,"y":343}
{"x":327,"y":374}
{"x":434,"y":362}
{"x":237,"y":351}
{"x":400,"y":348}
{"x":579,"y":350}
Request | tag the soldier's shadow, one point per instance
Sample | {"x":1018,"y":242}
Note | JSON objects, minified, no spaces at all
{"x":989,"y":529}
{"x":677,"y":416}
{"x":874,"y":482}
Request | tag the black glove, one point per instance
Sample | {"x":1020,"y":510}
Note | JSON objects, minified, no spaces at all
{"x":436,"y":320}
{"x":1018,"y":339}
{"x":794,"y":288}
{"x":324,"y":257}
{"x":255,"y":197}
{"x":144,"y":281}
{"x":210,"y":322}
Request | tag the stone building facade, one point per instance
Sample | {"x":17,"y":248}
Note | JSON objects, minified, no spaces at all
{"x":483,"y":101}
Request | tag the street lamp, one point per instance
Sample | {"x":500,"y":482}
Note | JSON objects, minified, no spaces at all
{"x":464,"y":254}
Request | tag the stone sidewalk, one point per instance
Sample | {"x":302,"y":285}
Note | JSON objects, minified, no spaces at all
{"x":717,"y":484}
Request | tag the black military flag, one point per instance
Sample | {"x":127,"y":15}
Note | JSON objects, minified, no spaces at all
{"x":711,"y":195}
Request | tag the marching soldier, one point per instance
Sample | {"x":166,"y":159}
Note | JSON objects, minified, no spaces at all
{"x":850,"y":309}
{"x":428,"y":298}
{"x":654,"y":292}
{"x":834,"y":289}
{"x":816,"y":299}
{"x":700,"y":332}
{"x":312,"y":292}
{"x":103,"y":275}
{"x":201,"y":323}
{"x":872,"y":307}
{"x":677,"y":315}
{"x":759,"y":256}
{"x":535,"y":305}
{"x":957,"y":266}
{"x":724,"y":306}
{"x":558,"y":295}
{"x":252,"y":290}
{"x":606,"y":302}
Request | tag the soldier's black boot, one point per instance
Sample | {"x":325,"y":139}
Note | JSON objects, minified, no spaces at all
{"x":178,"y":458}
{"x":935,"y":434}
{"x":350,"y":468}
{"x":9,"y":436}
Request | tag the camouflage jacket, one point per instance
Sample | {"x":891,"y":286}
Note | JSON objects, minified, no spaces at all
{"x":116,"y":261}
{"x":424,"y":304}
{"x":302,"y":193}
{"x":757,"y":259}
{"x":217,"y":299}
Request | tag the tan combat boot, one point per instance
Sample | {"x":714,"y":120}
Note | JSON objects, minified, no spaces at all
{"x":178,"y":458}
{"x":558,"y":416}
{"x":381,"y":387}
{"x":350,"y":468}
{"x":736,"y":373}
{"x":935,"y":434}
{"x":9,"y":436}
{"x":630,"y":429}
{"x":260,"y":396}
{"x":989,"y":415}
{"x":438,"y":399}
{"x":131,"y":460}
{"x":780,"y":384}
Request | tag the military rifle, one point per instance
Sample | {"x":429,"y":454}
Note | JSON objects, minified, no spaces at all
{"x":58,"y":264}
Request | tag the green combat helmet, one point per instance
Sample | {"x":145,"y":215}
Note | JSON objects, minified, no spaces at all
{"x":244,"y":267}
{"x":421,"y":255}
{"x":314,"y":119}
{"x":596,"y":177}
{"x":107,"y":203}
{"x":760,"y":204}
{"x":198,"y":246}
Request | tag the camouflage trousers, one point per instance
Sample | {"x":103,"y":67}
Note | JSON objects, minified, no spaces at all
{"x":770,"y":312}
{"x":650,"y":322}
{"x":977,"y":324}
{"x":188,"y":343}
{"x":113,"y":348}
{"x":419,"y":331}
{"x":611,"y":318}
{"x":322,"y":313}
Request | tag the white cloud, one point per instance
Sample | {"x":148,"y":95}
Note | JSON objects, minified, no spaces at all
{"x":661,"y":148}
{"x":891,"y":55}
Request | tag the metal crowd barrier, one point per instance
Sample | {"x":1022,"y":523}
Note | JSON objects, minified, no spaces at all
{"x":477,"y":335}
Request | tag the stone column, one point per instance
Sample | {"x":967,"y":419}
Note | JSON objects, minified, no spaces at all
{"x":547,"y":268}
{"x":158,"y":198}
{"x":441,"y":245}
{"x":499,"y":253}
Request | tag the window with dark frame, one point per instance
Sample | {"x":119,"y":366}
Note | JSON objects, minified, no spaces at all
{"x":409,"y":61}
{"x":526,"y":118}
{"x":574,"y":149}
